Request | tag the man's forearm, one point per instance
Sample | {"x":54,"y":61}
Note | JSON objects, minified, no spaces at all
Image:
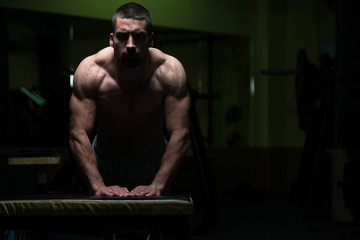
{"x":84,"y":155}
{"x":171,"y":160}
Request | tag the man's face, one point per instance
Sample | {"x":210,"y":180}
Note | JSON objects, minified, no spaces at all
{"x":130,"y":41}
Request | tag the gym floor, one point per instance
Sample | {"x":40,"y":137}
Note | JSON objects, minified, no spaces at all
{"x":273,"y":219}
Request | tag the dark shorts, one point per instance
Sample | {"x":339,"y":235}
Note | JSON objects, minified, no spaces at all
{"x":128,"y":171}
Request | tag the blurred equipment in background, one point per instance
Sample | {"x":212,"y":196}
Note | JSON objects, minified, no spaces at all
{"x":314,"y":96}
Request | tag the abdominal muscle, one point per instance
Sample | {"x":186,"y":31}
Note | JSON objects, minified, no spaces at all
{"x":130,"y":137}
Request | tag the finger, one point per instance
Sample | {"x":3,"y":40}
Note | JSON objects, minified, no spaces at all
{"x":135,"y":190}
{"x":151,"y":193}
{"x":110,"y":192}
{"x":118,"y":191}
{"x":146,"y":193}
{"x":122,"y":191}
{"x":107,"y":193}
{"x":134,"y":194}
{"x":123,"y":195}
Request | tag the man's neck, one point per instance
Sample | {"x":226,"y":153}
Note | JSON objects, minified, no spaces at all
{"x":133,"y":78}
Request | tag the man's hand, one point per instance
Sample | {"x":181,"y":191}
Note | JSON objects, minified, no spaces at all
{"x":146,"y":191}
{"x":114,"y":191}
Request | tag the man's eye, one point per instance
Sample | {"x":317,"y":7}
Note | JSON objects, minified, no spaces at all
{"x":139,"y":36}
{"x":122,"y":37}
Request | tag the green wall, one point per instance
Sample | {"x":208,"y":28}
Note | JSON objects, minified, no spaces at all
{"x":226,"y":16}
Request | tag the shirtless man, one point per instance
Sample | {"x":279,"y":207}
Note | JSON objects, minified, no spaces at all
{"x":129,"y":88}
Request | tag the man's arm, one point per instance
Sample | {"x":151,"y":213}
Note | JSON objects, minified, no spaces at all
{"x":177,"y":108}
{"x":82,"y":120}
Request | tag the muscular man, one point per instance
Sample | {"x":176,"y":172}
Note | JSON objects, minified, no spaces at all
{"x":129,"y":88}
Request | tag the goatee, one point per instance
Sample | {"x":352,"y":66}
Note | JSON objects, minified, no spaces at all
{"x":131,"y":63}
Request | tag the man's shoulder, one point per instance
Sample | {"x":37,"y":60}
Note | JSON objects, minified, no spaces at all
{"x":169,"y":72}
{"x":96,"y":62}
{"x":166,"y":61}
{"x":92,"y":70}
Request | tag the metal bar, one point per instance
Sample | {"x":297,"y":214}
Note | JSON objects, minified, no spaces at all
{"x":281,"y":72}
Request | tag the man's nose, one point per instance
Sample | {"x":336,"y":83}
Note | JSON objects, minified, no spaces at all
{"x":130,"y":42}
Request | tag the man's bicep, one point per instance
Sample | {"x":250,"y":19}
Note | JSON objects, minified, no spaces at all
{"x":83,"y":112}
{"x":82,"y":101}
{"x":177,"y":101}
{"x":177,"y":112}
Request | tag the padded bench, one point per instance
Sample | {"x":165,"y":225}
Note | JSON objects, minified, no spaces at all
{"x":103,"y":215}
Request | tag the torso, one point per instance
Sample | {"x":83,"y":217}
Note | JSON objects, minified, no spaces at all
{"x":130,"y":121}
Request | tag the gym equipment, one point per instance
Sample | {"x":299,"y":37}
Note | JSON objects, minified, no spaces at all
{"x":105,"y":215}
{"x":33,"y":162}
{"x":314,"y":96}
{"x":200,"y":155}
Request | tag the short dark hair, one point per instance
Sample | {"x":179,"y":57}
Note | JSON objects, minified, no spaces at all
{"x":133,"y":11}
